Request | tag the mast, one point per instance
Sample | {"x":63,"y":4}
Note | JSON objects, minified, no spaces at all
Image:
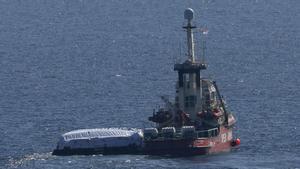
{"x":189,"y":15}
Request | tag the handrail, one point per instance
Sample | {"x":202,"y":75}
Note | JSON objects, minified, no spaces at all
{"x":208,"y":133}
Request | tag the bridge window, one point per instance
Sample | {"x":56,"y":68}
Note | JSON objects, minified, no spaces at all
{"x":187,"y":80}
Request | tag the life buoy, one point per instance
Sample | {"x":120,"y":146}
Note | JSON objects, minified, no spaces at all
{"x":235,"y":142}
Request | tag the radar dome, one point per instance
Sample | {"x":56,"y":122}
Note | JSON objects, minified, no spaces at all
{"x":189,"y":14}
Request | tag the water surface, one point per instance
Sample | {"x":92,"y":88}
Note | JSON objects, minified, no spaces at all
{"x":68,"y":65}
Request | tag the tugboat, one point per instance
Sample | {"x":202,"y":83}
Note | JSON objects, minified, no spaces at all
{"x":198,"y":122}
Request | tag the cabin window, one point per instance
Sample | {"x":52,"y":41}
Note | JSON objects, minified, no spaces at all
{"x":187,"y":80}
{"x":190,"y":101}
{"x":187,"y":77}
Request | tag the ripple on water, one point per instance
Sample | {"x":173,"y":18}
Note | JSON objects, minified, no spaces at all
{"x":27,"y":159}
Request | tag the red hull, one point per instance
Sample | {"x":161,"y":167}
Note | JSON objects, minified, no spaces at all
{"x":197,"y":146}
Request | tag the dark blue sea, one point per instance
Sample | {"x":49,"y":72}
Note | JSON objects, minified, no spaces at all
{"x":73,"y":64}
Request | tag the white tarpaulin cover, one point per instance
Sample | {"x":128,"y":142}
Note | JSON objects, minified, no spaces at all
{"x":101,"y":137}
